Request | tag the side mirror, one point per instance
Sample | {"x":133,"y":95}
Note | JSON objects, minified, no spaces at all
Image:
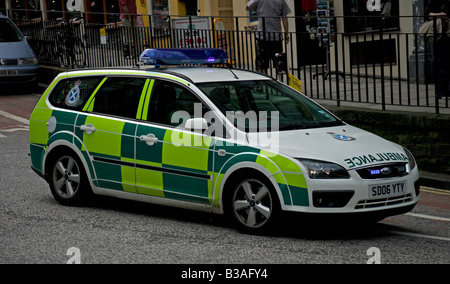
{"x":196,"y":124}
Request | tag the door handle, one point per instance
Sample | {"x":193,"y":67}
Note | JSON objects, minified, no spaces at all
{"x":88,"y":128}
{"x":149,"y":139}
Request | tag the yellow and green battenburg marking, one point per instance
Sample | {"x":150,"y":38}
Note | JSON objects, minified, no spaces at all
{"x":181,"y":166}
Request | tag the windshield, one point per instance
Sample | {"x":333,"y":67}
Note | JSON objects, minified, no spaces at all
{"x":8,"y":32}
{"x":256,"y":106}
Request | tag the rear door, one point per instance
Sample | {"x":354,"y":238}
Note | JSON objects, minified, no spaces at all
{"x":108,"y":131}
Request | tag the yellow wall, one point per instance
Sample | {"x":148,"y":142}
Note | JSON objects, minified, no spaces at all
{"x":143,"y":9}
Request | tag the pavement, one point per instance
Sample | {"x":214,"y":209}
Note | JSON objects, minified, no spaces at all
{"x":434,"y":180}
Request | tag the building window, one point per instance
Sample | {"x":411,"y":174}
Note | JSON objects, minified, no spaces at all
{"x":369,"y":15}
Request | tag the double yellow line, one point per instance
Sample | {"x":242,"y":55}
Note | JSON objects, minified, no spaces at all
{"x":434,"y":190}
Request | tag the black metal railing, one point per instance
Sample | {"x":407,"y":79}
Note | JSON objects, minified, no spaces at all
{"x":386,"y":68}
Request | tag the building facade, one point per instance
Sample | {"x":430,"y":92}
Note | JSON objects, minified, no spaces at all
{"x":340,"y":34}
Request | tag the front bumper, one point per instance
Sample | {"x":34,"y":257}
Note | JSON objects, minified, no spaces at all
{"x":352,"y":196}
{"x":19,"y":74}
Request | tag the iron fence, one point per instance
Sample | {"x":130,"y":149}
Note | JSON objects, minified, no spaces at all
{"x":384,"y":67}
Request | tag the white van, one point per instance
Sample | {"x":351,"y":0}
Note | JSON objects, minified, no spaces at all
{"x":18,"y":63}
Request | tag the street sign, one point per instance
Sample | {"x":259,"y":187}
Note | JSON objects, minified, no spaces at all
{"x":192,"y":32}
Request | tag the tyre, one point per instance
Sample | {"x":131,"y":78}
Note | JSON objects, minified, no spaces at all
{"x":253,"y":205}
{"x":68,"y":180}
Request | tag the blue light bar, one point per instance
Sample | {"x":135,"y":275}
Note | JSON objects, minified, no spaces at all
{"x":183,"y":56}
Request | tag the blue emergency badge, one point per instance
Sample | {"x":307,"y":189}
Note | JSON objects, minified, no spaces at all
{"x":342,"y":137}
{"x":73,"y":97}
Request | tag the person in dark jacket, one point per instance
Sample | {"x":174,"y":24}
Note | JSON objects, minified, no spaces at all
{"x":441,"y":9}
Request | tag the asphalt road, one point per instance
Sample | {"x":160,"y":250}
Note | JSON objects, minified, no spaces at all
{"x":35,"y":229}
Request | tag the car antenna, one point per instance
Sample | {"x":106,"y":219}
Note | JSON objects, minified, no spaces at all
{"x":230,"y":67}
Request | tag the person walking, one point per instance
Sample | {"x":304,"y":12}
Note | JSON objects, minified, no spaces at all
{"x":269,"y":38}
{"x":441,"y":10}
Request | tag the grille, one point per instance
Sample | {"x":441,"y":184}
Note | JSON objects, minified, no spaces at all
{"x":374,"y":203}
{"x":8,"y":62}
{"x":383,"y":171}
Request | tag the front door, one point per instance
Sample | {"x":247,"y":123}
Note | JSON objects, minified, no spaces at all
{"x":172,"y":162}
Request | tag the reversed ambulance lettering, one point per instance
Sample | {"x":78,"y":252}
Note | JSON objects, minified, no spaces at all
{"x":376,"y":158}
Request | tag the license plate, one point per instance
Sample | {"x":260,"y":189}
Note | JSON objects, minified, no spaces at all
{"x":387,"y":190}
{"x":8,"y":72}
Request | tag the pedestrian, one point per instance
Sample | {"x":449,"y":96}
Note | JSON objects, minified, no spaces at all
{"x":441,"y":10}
{"x":128,"y":17}
{"x":269,"y":38}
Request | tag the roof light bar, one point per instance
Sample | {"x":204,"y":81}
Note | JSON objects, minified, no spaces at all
{"x":183,"y":56}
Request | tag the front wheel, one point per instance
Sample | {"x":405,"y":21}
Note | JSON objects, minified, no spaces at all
{"x":253,"y":205}
{"x":68,"y":181}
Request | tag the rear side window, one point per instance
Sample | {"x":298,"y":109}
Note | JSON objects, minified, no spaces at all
{"x":119,"y":96}
{"x":73,"y":93}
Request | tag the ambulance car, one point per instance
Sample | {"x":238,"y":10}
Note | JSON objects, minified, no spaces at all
{"x":215,"y":139}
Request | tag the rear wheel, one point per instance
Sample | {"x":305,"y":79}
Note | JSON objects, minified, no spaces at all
{"x":253,"y":205}
{"x":68,"y":180}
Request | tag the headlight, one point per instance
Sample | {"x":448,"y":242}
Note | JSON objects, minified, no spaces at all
{"x":324,"y":170}
{"x":411,"y":160}
{"x":28,"y":61}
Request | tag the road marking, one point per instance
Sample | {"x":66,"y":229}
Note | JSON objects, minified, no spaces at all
{"x":2,"y":136}
{"x":435,"y":190}
{"x":14,"y":117}
{"x":428,"y":217}
{"x":26,"y":128}
{"x":417,"y":235}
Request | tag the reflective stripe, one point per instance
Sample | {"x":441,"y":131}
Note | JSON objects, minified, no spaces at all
{"x":89,"y":106}
{"x":142,"y":100}
{"x":147,"y":100}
